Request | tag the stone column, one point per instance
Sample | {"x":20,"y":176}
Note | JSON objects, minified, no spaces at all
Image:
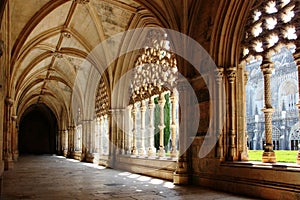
{"x":181,"y":175}
{"x":143,"y":109}
{"x":15,"y":138}
{"x":174,"y":124}
{"x":268,"y":154}
{"x":134,"y":150}
{"x":71,"y":130}
{"x":151,"y":148}
{"x":112,"y":138}
{"x":219,"y":108}
{"x":128,"y":131}
{"x":232,"y":151}
{"x":7,"y":150}
{"x":244,"y":154}
{"x":100,"y":135}
{"x":66,"y":142}
{"x":161,"y":103}
{"x":121,"y":124}
{"x":297,"y":61}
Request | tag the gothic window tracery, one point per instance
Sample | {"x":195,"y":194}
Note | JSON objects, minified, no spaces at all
{"x":153,"y":93}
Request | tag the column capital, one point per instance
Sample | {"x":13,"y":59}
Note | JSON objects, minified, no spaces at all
{"x":14,"y":118}
{"x":231,"y":74}
{"x":9,"y":101}
{"x":219,"y":73}
{"x":267,"y":66}
{"x":143,"y":106}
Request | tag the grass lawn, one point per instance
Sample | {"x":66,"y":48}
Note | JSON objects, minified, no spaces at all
{"x":281,"y":155}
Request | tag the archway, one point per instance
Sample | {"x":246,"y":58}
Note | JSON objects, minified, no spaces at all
{"x":37,"y":131}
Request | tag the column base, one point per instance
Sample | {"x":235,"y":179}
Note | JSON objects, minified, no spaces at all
{"x":161,"y":152}
{"x":180,"y":179}
{"x":151,"y":151}
{"x":65,"y":153}
{"x":15,"y":156}
{"x":174,"y":154}
{"x":269,"y":157}
{"x":8,"y":164}
{"x":142,"y":152}
{"x":244,"y":156}
{"x":298,"y":158}
{"x":134,"y":151}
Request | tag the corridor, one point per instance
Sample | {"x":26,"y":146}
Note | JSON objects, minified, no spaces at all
{"x":55,"y":177}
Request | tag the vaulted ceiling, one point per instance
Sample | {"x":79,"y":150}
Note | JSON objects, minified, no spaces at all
{"x":51,"y":39}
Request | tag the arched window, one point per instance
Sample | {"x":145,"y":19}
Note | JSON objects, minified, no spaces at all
{"x":154,"y":99}
{"x":102,"y":126}
{"x":271,"y":33}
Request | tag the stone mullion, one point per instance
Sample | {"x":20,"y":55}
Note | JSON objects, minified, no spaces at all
{"x":174,"y":124}
{"x":161,"y":103}
{"x":151,"y":148}
{"x":231,"y":76}
{"x":219,"y":77}
{"x":100,"y":135}
{"x":268,"y":154}
{"x":134,"y":150}
{"x":142,"y":135}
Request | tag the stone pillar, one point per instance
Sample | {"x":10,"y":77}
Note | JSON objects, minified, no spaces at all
{"x":174,"y":124}
{"x":143,"y":109}
{"x":128,"y":131}
{"x":15,"y":138}
{"x":71,"y":130}
{"x":181,"y":175}
{"x":134,"y":150}
{"x":268,"y":154}
{"x":219,"y":108}
{"x":66,"y":143}
{"x":232,"y":151}
{"x":100,"y":135}
{"x":161,"y":103}
{"x":244,"y":137}
{"x":112,"y":138}
{"x":7,"y":153}
{"x":151,"y":148}
{"x":121,"y":130}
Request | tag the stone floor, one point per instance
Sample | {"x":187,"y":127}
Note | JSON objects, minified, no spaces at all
{"x":57,"y":178}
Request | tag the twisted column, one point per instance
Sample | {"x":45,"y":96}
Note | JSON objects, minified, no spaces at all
{"x":161,"y":103}
{"x":151,"y":148}
{"x":129,"y":128}
{"x":101,"y":135}
{"x":231,"y":76}
{"x":7,"y":150}
{"x":268,"y":154}
{"x":219,"y":77}
{"x":15,"y":138}
{"x":143,"y":111}
{"x":134,"y":150}
{"x":174,"y":124}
